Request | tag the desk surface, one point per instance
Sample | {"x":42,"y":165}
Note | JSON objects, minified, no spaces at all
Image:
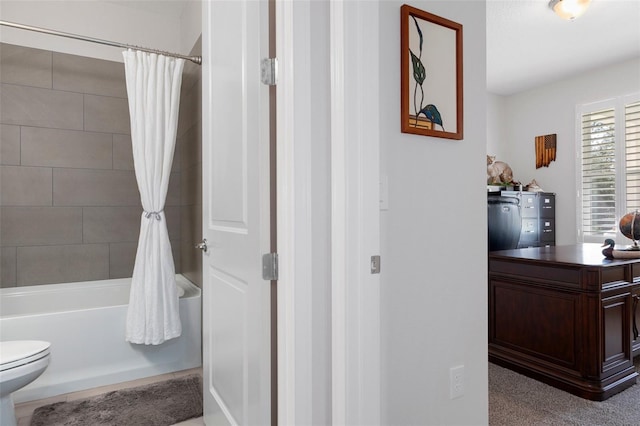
{"x":579,"y":254}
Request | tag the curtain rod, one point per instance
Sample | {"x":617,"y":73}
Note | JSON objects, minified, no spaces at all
{"x":195,"y":59}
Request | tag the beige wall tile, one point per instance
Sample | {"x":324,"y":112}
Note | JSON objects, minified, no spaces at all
{"x":122,"y":224}
{"x":177,"y":157}
{"x":28,"y":226}
{"x":192,"y":147}
{"x":111,"y":224}
{"x":106,"y":114}
{"x":80,"y":129}
{"x":191,"y":258}
{"x":191,"y":191}
{"x":173,"y":192}
{"x":65,"y":263}
{"x":88,"y":75}
{"x":66,"y":148}
{"x":121,"y":259}
{"x":173,"y":216}
{"x":31,"y":106}
{"x":80,"y":187}
{"x":25,"y":186}
{"x":192,"y":72}
{"x":122,"y":152}
{"x":188,"y":114}
{"x":191,"y":176}
{"x":9,"y":144}
{"x":8,"y":267}
{"x":175,"y":252}
{"x":25,"y":66}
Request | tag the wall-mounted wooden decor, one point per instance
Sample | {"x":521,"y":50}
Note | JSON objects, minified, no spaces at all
{"x":431,"y":74}
{"x":545,"y":150}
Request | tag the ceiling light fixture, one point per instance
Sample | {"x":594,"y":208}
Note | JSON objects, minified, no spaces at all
{"x":569,"y":9}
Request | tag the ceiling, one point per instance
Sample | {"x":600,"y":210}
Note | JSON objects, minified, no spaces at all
{"x":528,"y":45}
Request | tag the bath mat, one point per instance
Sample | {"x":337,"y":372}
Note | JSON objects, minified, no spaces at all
{"x":157,"y":404}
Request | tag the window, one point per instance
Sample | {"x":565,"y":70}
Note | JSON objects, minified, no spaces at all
{"x":609,"y":176}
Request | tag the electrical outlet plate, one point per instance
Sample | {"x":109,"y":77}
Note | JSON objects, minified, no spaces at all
{"x":456,"y":382}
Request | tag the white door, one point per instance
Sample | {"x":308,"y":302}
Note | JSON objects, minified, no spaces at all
{"x":235,"y":216}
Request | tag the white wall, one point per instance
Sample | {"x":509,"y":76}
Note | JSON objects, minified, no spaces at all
{"x":552,"y":109}
{"x":190,"y":25}
{"x":496,"y":126}
{"x":434,"y":242}
{"x":98,"y":19}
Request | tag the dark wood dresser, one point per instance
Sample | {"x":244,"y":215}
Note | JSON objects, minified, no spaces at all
{"x":567,"y":316}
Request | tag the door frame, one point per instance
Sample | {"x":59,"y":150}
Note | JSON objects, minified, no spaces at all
{"x":293,"y":219}
{"x":355,"y":162}
{"x":355,"y":217}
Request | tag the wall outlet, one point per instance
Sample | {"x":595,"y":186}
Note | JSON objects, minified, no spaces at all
{"x":456,"y":382}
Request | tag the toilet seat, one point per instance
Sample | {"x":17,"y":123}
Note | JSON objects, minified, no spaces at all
{"x":20,"y":352}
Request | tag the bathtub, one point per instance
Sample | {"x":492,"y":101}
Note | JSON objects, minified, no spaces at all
{"x":85,"y":323}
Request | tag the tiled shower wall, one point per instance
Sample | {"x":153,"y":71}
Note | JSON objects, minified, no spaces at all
{"x":190,"y":142}
{"x":69,"y":203}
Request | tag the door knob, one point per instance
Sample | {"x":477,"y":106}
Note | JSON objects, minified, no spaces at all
{"x":202,"y":245}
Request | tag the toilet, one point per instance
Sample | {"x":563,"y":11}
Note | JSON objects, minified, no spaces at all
{"x":21,"y":362}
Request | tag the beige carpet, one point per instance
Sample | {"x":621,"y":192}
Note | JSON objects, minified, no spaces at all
{"x":158,"y":404}
{"x":518,"y":400}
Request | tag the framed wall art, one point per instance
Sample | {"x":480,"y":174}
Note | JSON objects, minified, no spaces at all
{"x":431,"y":74}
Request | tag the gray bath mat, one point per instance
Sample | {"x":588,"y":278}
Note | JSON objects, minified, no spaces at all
{"x":157,"y":404}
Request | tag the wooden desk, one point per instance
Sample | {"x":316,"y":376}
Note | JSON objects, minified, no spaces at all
{"x":566,"y":316}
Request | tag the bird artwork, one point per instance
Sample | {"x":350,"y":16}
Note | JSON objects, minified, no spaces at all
{"x":609,"y":244}
{"x":432,"y":114}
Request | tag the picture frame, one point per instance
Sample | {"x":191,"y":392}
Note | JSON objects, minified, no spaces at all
{"x":431,"y":74}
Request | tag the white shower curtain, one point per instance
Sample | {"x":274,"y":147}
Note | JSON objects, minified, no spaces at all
{"x":153,"y":89}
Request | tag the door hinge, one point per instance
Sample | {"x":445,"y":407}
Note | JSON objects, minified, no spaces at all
{"x":270,"y":266}
{"x":375,"y":264}
{"x":269,"y":71}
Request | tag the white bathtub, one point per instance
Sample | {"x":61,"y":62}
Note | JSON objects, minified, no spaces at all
{"x":85,"y":323}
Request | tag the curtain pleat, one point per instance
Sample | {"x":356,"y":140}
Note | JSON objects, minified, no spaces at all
{"x":153,"y":88}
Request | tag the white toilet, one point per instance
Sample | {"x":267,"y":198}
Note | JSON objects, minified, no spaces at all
{"x":21,"y":362}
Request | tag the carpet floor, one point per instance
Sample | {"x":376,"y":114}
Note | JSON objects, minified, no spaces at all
{"x":158,"y":404}
{"x":515,"y":399}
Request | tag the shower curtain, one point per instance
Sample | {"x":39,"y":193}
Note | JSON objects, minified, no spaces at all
{"x":153,"y":88}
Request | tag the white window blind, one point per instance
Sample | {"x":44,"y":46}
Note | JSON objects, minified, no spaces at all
{"x":598,"y":172}
{"x":632,"y":155}
{"x":609,"y":176}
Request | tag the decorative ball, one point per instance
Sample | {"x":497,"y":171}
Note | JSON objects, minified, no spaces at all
{"x":629,"y":221}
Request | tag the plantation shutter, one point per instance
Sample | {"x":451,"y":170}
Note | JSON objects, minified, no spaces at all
{"x":632,"y":155}
{"x":598,"y":172}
